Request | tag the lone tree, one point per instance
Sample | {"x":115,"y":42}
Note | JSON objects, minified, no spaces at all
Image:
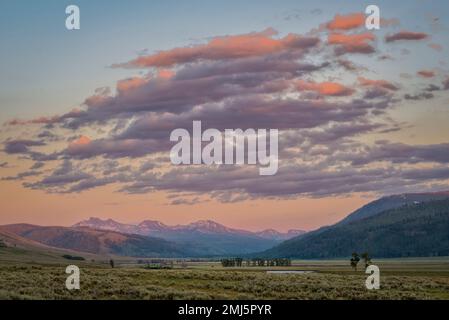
{"x":355,"y":260}
{"x":366,"y":258}
{"x":111,"y":262}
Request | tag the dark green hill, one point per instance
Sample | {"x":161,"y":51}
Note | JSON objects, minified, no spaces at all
{"x":416,"y":229}
{"x":391,"y":202}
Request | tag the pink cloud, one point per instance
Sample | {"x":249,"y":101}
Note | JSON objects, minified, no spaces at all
{"x":226,"y":47}
{"x":130,"y":83}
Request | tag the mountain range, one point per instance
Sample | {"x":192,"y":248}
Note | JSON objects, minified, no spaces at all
{"x":149,"y":238}
{"x":406,"y":225}
{"x":200,"y":238}
{"x":158,"y":229}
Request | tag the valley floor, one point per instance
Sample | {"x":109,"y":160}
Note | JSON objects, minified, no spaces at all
{"x":333,"y":279}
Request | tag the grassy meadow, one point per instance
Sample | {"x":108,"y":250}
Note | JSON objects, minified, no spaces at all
{"x":31,"y":275}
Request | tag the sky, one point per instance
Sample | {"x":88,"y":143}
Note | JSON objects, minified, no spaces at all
{"x":86,"y":114}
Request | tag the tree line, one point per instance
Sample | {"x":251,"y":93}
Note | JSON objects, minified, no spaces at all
{"x":256,"y":262}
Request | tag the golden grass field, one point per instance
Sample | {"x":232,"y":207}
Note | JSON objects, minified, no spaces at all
{"x":32,"y":275}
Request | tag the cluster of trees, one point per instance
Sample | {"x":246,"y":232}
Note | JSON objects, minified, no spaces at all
{"x":70,"y":257}
{"x":255,"y":262}
{"x":2,"y":244}
{"x":355,"y":258}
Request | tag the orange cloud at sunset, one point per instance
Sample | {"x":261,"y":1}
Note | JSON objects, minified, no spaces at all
{"x":80,"y":143}
{"x":350,"y":39}
{"x":325,"y":88}
{"x":83,"y":140}
{"x":347,"y":22}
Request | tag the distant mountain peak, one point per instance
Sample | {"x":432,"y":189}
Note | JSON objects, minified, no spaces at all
{"x":148,"y":226}
{"x":206,"y":224}
{"x":106,"y":224}
{"x":209,"y":226}
{"x":274,"y":234}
